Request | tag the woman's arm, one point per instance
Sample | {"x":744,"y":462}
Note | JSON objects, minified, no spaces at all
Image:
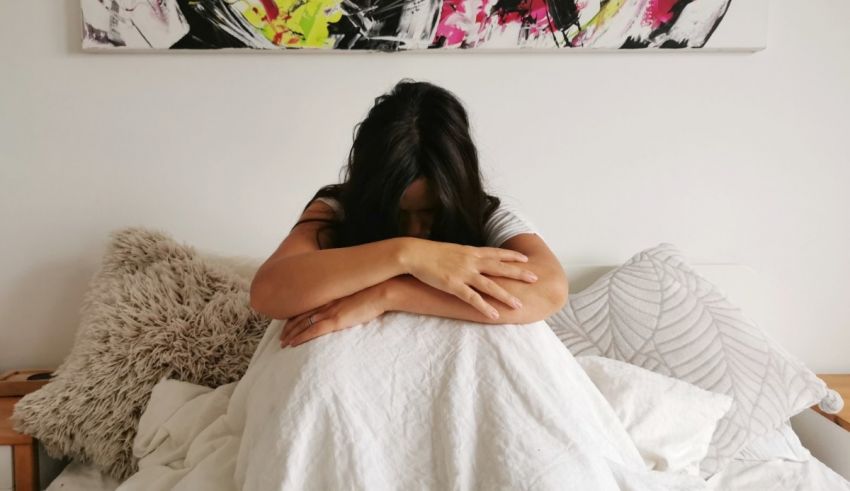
{"x":408,"y":293}
{"x":299,"y":276}
{"x":539,"y":300}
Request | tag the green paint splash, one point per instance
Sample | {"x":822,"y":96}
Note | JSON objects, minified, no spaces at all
{"x":299,"y":23}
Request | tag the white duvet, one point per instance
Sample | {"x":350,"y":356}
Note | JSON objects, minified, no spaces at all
{"x":402,"y":402}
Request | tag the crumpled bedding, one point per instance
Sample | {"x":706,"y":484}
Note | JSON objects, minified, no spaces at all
{"x":402,"y":402}
{"x":778,"y":475}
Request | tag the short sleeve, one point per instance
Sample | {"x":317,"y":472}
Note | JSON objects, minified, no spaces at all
{"x":333,"y":203}
{"x":506,"y":222}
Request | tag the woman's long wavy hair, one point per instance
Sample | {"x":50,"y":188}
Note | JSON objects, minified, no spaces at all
{"x":416,"y":130}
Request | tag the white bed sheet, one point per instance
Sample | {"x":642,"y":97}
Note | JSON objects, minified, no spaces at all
{"x":324,"y":416}
{"x":779,"y":475}
{"x":77,"y":476}
{"x":747,"y":475}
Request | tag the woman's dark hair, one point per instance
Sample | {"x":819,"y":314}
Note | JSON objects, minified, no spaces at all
{"x":416,"y":130}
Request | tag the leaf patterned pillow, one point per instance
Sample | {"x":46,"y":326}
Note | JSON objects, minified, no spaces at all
{"x":657,"y":313}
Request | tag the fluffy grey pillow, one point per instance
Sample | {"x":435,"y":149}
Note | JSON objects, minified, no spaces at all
{"x":656,"y":312}
{"x":155,"y":309}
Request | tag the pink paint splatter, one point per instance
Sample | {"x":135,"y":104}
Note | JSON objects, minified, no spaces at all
{"x":538,"y":10}
{"x":659,"y":12}
{"x":457,"y":28}
{"x":446,"y":27}
{"x":482,"y":15}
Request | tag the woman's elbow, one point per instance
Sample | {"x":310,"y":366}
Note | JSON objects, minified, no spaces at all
{"x":558,"y":292}
{"x":274,"y":300}
{"x":257,"y":297}
{"x":550,"y":299}
{"x":261,"y":298}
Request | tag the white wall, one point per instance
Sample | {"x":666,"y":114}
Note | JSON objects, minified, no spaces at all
{"x":737,"y":158}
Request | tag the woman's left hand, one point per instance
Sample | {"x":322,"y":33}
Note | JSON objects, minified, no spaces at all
{"x":339,"y":314}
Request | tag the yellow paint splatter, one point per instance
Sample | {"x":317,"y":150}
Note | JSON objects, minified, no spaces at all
{"x":298,"y":23}
{"x":608,"y":10}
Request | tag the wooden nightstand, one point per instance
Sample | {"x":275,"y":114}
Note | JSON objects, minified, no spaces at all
{"x":23,"y":448}
{"x":841,"y":384}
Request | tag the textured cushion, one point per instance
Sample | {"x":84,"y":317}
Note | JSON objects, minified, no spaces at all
{"x":670,"y":421}
{"x":657,"y":313}
{"x":155,"y":309}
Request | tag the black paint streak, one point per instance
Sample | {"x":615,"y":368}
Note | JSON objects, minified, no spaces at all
{"x":204,"y":32}
{"x":383,"y":16}
{"x":563,"y":15}
{"x":633,"y":43}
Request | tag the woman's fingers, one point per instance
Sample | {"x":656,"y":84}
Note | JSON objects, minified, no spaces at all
{"x":506,"y":270}
{"x":287,"y":333}
{"x":296,"y":330}
{"x":499,"y":262}
{"x":291,"y":323}
{"x":303,"y":324}
{"x":503,"y":254}
{"x":490,"y":287}
{"x":302,"y":318}
{"x":472,"y":297}
{"x":318,"y":329}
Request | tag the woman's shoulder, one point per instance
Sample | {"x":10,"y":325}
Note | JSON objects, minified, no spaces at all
{"x":333,"y":203}
{"x":505,"y":222}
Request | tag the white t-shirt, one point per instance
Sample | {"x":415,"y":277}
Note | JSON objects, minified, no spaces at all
{"x":504,"y":223}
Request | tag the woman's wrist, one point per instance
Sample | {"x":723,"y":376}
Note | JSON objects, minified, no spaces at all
{"x":390,"y":293}
{"x":405,"y":252}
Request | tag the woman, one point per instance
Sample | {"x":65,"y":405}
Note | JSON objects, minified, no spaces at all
{"x":411,"y":229}
{"x":428,"y":364}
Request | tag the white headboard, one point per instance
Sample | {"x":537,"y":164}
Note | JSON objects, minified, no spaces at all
{"x":741,"y":284}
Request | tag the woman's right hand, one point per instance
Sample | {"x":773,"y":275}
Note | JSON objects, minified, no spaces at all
{"x":460,"y":269}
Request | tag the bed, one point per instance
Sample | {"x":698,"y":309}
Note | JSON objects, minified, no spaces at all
{"x":777,"y":474}
{"x":772,"y":468}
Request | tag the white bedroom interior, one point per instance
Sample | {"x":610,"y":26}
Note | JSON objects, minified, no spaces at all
{"x":736,"y":158}
{"x":746,"y":164}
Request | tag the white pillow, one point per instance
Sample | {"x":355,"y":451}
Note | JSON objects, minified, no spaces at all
{"x":670,"y":421}
{"x":656,"y":312}
{"x":781,"y":443}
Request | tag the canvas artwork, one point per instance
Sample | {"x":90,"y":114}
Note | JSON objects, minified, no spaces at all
{"x":401,"y":25}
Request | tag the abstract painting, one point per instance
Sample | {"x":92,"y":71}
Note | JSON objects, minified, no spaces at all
{"x":402,"y":25}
